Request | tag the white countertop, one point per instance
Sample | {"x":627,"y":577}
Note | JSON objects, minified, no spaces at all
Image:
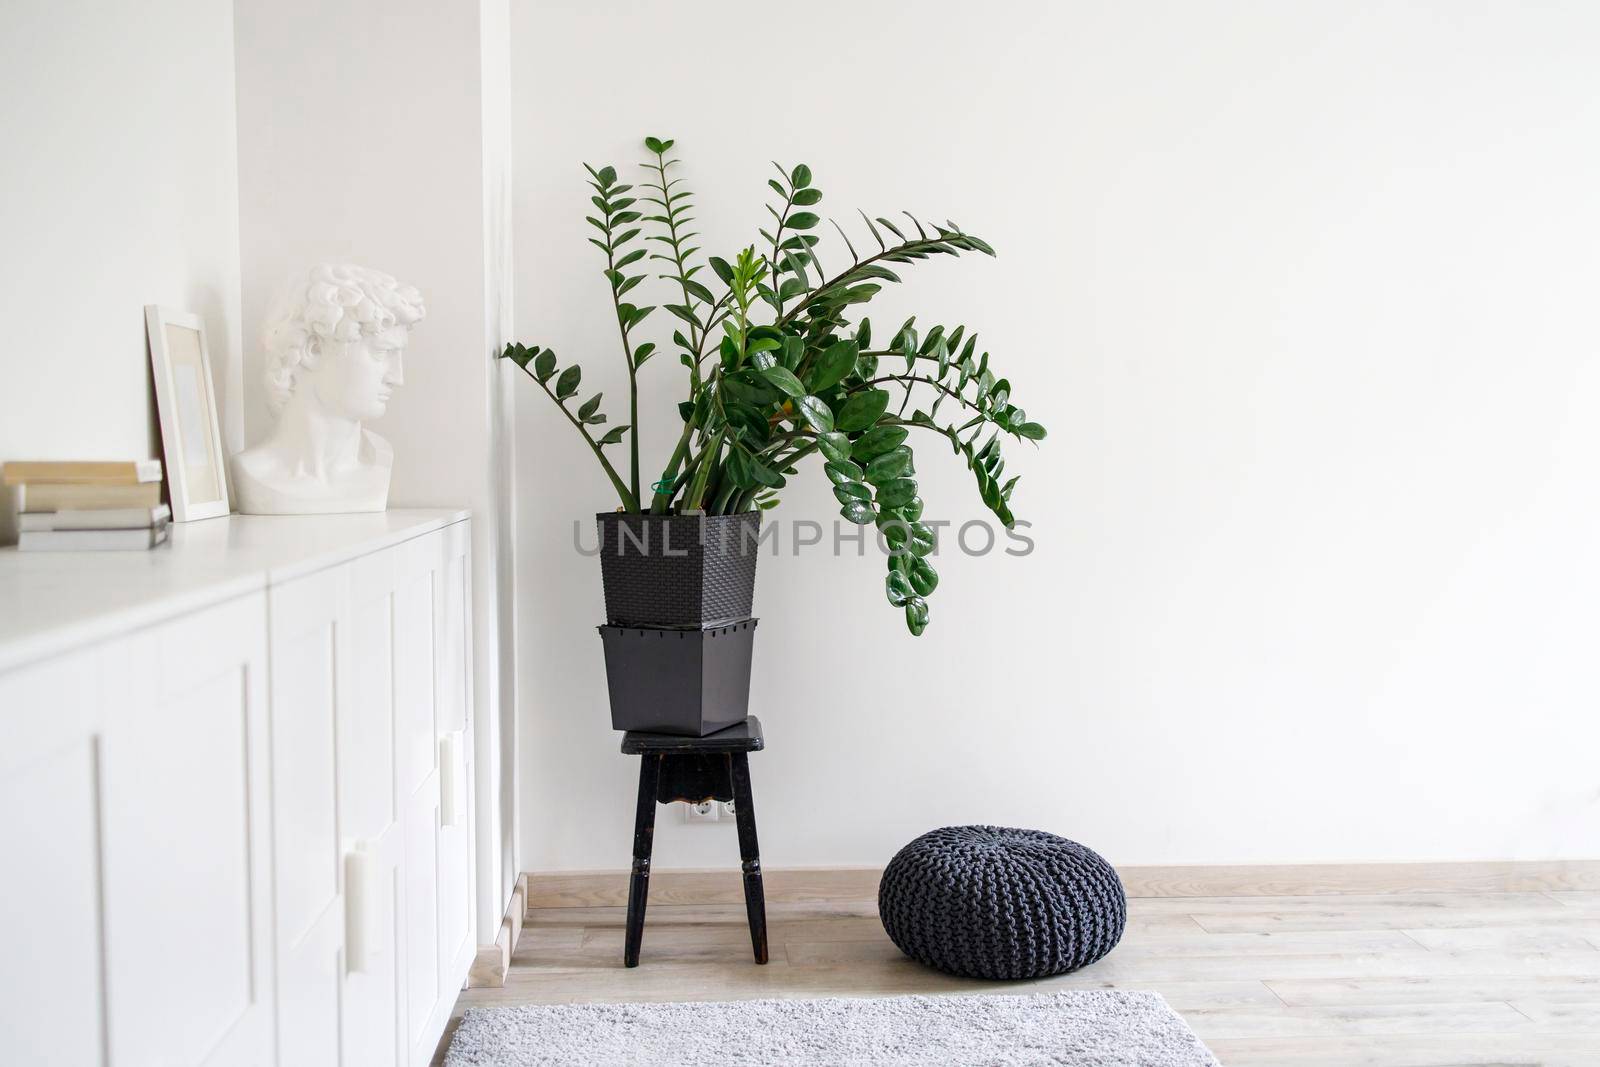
{"x":51,"y":602}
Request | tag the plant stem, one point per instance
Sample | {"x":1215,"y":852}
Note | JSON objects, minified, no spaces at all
{"x":697,"y":488}
{"x":629,"y":501}
{"x":669,"y":477}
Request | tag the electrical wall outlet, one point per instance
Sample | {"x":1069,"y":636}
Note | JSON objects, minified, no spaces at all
{"x":705,"y":811}
{"x":727,"y":808}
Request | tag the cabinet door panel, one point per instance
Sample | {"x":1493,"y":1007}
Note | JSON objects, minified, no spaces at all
{"x":184,"y":794}
{"x":373,"y":1021}
{"x":50,"y":945}
{"x":308,"y":671}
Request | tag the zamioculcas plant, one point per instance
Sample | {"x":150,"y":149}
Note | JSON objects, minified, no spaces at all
{"x":779,"y":366}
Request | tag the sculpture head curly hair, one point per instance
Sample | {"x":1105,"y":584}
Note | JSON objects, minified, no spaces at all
{"x":335,"y":302}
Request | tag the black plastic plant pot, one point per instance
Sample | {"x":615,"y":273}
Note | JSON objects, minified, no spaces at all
{"x":680,"y":571}
{"x":686,"y":682}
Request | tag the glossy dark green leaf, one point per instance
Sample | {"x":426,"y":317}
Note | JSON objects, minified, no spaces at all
{"x":1032,"y":431}
{"x":832,"y":365}
{"x":911,"y":510}
{"x":544,"y":365}
{"x":723,"y":270}
{"x":567,"y":384}
{"x":835,"y":446}
{"x":794,"y":350}
{"x":878,"y":440}
{"x":895,"y":493}
{"x":764,"y":474}
{"x":613,"y":435}
{"x":857,"y":512}
{"x":896,"y":463}
{"x":924,"y":579}
{"x":785,"y":380}
{"x":807,"y":197}
{"x":589,"y":406}
{"x":800,"y":177}
{"x":842,"y":472}
{"x":862,"y":410}
{"x":736,"y":469}
{"x":922,"y":539}
{"x":916,"y":616}
{"x":815,"y":412}
{"x":848,"y":491}
{"x":897,"y":587}
{"x":802,"y":220}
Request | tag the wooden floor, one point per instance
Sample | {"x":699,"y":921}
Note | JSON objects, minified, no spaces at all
{"x":1429,"y":978}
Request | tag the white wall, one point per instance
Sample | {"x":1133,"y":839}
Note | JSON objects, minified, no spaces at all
{"x":1305,"y":293}
{"x":374,"y":131}
{"x":119,"y":189}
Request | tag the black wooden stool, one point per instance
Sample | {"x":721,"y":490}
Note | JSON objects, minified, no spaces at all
{"x":694,"y":770}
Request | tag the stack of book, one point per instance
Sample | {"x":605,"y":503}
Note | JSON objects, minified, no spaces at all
{"x":85,"y":506}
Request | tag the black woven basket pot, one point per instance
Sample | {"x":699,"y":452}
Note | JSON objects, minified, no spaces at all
{"x":679,"y":571}
{"x":676,"y":681}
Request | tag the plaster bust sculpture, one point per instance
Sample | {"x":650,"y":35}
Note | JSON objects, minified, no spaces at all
{"x":333,"y":348}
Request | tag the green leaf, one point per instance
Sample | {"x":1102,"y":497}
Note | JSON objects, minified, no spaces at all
{"x":590,"y":406}
{"x":794,"y":350}
{"x":862,"y":410}
{"x":815,"y":412}
{"x":924,"y":579}
{"x":613,"y":435}
{"x":845,"y":471}
{"x":895,"y":493}
{"x":802,"y":220}
{"x":897,"y":587}
{"x":848,"y":491}
{"x":916,"y":616}
{"x":544,"y":365}
{"x":832,"y":365}
{"x":800,"y":177}
{"x":807,"y":197}
{"x":878,"y":440}
{"x":835,"y":446}
{"x":911,"y":510}
{"x":857,"y":512}
{"x":784,"y":379}
{"x":1031,"y":430}
{"x":764,"y":474}
{"x":922,"y":540}
{"x":643,"y":352}
{"x":608,"y":176}
{"x":656,"y":145}
{"x":567,"y":384}
{"x":722,"y":269}
{"x":890,"y":465}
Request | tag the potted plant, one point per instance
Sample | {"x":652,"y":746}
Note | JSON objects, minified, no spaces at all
{"x":780,"y":364}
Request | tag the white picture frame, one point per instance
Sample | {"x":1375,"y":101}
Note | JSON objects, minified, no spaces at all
{"x":195,"y":466}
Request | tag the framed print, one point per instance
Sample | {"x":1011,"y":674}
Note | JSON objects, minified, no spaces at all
{"x":186,"y":404}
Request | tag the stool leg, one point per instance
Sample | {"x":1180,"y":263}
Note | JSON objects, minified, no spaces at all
{"x":644,"y":832}
{"x":744,"y":813}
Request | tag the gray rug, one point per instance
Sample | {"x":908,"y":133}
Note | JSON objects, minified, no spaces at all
{"x":1089,"y":1028}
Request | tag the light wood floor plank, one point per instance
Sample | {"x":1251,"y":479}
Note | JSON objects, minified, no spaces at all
{"x":1433,"y":1050}
{"x":1436,"y":989}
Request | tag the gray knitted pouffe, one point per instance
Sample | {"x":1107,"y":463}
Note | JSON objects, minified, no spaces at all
{"x":993,"y":902}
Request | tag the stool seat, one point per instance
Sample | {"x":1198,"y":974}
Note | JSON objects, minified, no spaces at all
{"x":740,"y":737}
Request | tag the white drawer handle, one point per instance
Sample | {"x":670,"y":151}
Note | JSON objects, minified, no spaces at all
{"x":449,"y":770}
{"x":360,"y":908}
